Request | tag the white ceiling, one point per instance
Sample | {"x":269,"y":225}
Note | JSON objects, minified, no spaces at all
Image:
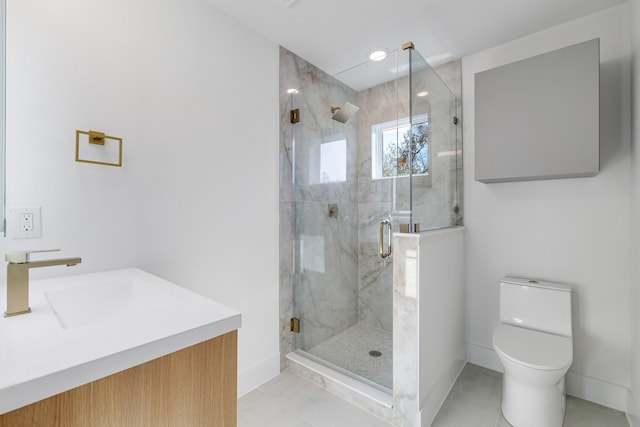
{"x":338,"y":34}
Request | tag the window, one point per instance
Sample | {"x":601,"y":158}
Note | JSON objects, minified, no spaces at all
{"x":328,"y":162}
{"x":395,"y":143}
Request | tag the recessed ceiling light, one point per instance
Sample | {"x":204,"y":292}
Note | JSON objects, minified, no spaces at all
{"x":422,"y":93}
{"x":292,"y":91}
{"x":378,"y":55}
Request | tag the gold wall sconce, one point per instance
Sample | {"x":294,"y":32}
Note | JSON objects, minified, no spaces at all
{"x":108,"y":156}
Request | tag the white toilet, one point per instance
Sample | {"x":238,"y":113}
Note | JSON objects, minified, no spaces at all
{"x":534,"y":343}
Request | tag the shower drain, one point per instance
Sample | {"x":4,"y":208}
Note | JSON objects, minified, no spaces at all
{"x":375,"y":353}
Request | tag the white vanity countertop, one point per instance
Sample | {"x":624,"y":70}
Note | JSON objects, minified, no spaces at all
{"x":39,"y":358}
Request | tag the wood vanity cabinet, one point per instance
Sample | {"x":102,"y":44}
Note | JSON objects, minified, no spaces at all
{"x":193,"y":387}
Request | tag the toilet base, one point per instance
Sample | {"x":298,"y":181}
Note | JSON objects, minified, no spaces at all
{"x":533,"y":405}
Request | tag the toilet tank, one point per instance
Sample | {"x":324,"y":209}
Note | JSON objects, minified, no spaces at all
{"x":537,"y":305}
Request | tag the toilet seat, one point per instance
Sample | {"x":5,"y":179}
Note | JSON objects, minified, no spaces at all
{"x":534,"y":349}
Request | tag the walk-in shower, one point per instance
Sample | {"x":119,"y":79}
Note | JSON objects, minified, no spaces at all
{"x":387,"y":159}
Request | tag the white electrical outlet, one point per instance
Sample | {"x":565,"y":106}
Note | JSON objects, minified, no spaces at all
{"x":24,"y":223}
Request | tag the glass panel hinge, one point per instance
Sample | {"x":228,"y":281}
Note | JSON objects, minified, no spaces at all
{"x":295,"y":325}
{"x":294,"y":115}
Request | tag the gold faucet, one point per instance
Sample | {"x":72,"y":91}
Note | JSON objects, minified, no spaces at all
{"x":18,"y":278}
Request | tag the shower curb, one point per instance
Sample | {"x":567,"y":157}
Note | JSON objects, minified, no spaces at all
{"x":368,"y":398}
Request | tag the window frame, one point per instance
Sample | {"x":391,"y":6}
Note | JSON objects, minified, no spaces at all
{"x":377,"y":156}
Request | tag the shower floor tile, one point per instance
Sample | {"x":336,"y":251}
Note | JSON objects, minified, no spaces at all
{"x":351,"y":349}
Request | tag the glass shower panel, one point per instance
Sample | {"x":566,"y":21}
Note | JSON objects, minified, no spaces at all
{"x":436,"y":162}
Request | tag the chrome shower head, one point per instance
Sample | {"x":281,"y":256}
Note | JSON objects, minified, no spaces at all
{"x":344,"y":113}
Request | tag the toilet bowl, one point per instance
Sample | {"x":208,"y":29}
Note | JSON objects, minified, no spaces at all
{"x":533,"y":342}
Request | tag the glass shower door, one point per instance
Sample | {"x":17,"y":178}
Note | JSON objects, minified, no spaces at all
{"x":325,"y":296}
{"x":339,"y":284}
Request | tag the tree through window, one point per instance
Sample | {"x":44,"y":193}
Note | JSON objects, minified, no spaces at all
{"x":398,"y":146}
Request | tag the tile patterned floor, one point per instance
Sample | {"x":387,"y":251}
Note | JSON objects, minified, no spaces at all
{"x":291,"y":401}
{"x":350,"y":350}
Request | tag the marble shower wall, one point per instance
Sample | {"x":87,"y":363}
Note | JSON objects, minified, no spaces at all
{"x":375,"y":203}
{"x":341,"y":280}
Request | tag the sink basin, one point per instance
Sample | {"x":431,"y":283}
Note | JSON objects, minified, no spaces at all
{"x":116,"y":298}
{"x":88,"y":326}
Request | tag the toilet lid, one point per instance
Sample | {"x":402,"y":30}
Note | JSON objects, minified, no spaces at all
{"x":535,"y":349}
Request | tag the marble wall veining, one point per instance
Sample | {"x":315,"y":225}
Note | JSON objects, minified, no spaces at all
{"x":375,"y":203}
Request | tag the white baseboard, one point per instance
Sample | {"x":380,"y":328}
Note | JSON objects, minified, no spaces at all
{"x":258,"y":374}
{"x":600,"y":392}
{"x":483,"y":356}
{"x":431,"y":405}
{"x":633,"y":410}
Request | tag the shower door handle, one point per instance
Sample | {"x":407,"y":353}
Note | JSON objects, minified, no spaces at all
{"x":381,"y":250}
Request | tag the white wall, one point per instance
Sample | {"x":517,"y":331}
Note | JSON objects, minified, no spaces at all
{"x":428,"y":290}
{"x":195,"y":97}
{"x":211,"y":191}
{"x":575,"y":231}
{"x":634,"y":398}
{"x":62,"y":75}
{"x":441,"y":302}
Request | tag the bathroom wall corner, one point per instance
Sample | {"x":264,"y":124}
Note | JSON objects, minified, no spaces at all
{"x":633,"y":410}
{"x":258,"y":374}
{"x":483,"y":356}
{"x":633,"y":405}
